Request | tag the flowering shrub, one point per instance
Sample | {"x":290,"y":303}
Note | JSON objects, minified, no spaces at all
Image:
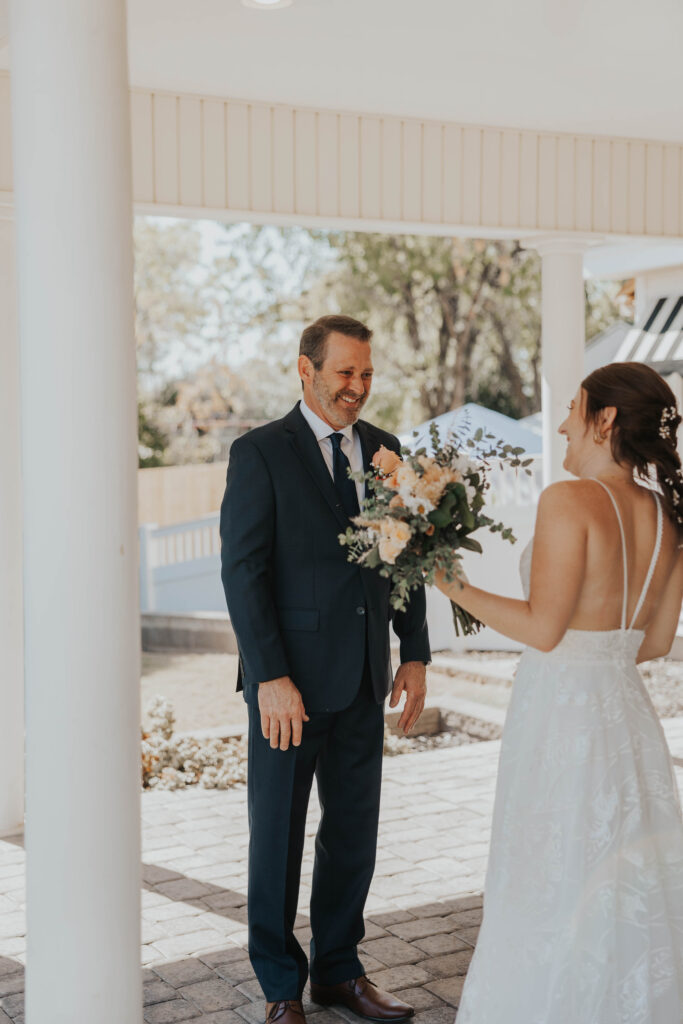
{"x":174,"y":763}
{"x":422,"y":510}
{"x":169,"y":763}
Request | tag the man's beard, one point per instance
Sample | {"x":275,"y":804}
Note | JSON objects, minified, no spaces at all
{"x":333,"y":405}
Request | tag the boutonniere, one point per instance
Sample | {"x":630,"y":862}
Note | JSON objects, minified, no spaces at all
{"x":386,"y":461}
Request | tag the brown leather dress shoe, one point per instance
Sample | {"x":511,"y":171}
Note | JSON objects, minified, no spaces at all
{"x":364,"y":999}
{"x":285,"y":1011}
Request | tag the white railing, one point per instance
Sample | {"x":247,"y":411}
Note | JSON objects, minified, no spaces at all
{"x":516,"y":487}
{"x":180,"y":566}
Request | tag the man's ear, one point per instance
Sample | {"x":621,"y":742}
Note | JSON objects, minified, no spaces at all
{"x":305,"y":368}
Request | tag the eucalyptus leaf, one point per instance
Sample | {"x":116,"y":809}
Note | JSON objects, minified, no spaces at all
{"x":470,"y":544}
{"x":372,"y":559}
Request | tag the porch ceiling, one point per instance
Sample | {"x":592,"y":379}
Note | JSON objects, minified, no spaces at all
{"x":604,"y":67}
{"x":609,"y":67}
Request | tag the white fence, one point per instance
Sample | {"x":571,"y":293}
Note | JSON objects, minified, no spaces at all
{"x":180,"y":567}
{"x":516,"y":488}
{"x":512,"y":499}
{"x":180,"y":564}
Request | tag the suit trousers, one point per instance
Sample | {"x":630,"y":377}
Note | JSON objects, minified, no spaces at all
{"x":343,"y":749}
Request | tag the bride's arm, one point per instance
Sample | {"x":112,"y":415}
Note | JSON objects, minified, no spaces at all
{"x":557,"y":571}
{"x":661,"y":631}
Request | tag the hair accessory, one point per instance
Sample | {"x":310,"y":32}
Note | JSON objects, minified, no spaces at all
{"x":676,"y":495}
{"x":669,"y":413}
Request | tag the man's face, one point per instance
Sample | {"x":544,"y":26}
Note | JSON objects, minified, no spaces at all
{"x":339,"y":389}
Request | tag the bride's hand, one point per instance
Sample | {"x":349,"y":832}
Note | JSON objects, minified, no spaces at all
{"x":453,"y":586}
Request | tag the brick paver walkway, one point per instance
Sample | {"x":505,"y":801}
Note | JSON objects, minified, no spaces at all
{"x":423,"y":913}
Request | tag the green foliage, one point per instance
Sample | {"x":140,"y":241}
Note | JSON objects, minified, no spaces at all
{"x":452,"y":317}
{"x":152,"y":442}
{"x":172,"y":300}
{"x":602,"y":305}
{"x":420,"y":514}
{"x":455,"y":320}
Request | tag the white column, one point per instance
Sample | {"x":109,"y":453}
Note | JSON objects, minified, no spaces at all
{"x":71,"y":137}
{"x":11,"y":610}
{"x":563,"y":340}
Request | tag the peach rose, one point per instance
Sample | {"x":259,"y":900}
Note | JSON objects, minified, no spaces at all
{"x":434,"y":480}
{"x":385,"y":460}
{"x":394,"y":535}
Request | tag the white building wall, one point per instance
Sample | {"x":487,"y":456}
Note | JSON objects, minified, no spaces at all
{"x":215,"y":157}
{"x":654,"y":284}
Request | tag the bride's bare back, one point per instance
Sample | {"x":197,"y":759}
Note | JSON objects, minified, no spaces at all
{"x":577,"y":570}
{"x":623,"y":419}
{"x":600,"y":598}
{"x":586,"y":539}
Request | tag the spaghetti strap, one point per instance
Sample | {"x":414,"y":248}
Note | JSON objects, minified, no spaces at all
{"x":653,"y":562}
{"x":624,"y":601}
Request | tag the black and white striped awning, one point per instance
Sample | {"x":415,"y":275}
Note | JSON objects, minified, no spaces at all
{"x":658,"y":341}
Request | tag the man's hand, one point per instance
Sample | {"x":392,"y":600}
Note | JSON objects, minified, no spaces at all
{"x":282,"y":712}
{"x":410,"y":677}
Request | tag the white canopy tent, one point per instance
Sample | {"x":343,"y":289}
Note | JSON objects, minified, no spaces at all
{"x":490,"y":120}
{"x":466,"y":420}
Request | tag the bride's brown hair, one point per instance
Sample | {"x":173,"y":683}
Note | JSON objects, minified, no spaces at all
{"x":644,"y":434}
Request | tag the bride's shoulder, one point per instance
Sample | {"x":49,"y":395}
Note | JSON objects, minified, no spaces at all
{"x":569,"y":499}
{"x":574,"y":491}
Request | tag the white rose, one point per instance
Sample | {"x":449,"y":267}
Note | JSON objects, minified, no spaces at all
{"x":417,"y":505}
{"x":463,"y":465}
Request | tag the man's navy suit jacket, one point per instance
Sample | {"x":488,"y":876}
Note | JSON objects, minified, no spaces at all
{"x":297,"y":606}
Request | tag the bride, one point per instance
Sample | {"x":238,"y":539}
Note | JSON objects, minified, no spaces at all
{"x":583,"y":906}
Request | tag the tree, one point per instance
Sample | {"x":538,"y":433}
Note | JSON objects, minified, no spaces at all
{"x":606,"y":301}
{"x":172,"y":294}
{"x":454,"y":319}
{"x":203,"y":332}
{"x":152,"y":441}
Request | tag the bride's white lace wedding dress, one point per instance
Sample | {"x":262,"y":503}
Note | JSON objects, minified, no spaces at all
{"x":583,"y":905}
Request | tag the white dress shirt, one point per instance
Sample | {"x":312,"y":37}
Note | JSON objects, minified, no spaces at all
{"x":350,"y":445}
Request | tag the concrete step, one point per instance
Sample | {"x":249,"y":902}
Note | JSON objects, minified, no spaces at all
{"x":205,"y":632}
{"x":217,"y":732}
{"x":495,"y":669}
{"x":469,"y":708}
{"x":429,"y":723}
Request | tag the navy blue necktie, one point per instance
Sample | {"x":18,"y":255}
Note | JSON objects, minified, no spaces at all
{"x":346,"y":488}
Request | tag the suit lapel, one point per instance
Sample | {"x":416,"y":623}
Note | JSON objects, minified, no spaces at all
{"x":370,"y":441}
{"x":306,"y":446}
{"x":365,"y":433}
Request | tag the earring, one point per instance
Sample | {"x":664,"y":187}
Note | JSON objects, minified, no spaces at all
{"x":599,"y":438}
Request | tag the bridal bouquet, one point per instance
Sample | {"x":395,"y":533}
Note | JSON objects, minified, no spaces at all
{"x":422,"y":511}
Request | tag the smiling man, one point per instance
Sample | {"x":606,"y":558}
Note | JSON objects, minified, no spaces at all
{"x":336,"y":371}
{"x":313,"y":637}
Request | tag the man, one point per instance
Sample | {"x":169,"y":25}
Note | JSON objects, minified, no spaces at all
{"x":313,"y":637}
